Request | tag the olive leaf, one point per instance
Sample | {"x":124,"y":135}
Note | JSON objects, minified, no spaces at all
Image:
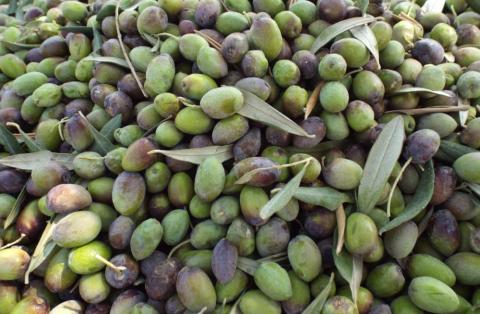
{"x":14,"y":46}
{"x":419,"y":201}
{"x":313,"y":99}
{"x":406,"y":90}
{"x":109,"y":128}
{"x":31,"y":144}
{"x":420,"y":111}
{"x":380,"y":162}
{"x":454,"y":150}
{"x":367,"y":37}
{"x":87,"y":30}
{"x":356,"y":279}
{"x":341,"y":223}
{"x":44,"y":248}
{"x":97,"y":40}
{"x":474,"y":187}
{"x":281,"y":199}
{"x":9,"y":141}
{"x":422,"y":226}
{"x":247,"y":265}
{"x":336,"y":29}
{"x":362,"y":5}
{"x":12,"y":7}
{"x":433,"y":6}
{"x":319,"y":148}
{"x":317,"y":304}
{"x":198,"y":155}
{"x":29,"y":161}
{"x":258,"y":110}
{"x":463,"y":114}
{"x":15,"y":208}
{"x":112,"y":60}
{"x":322,"y":196}
{"x":104,"y":145}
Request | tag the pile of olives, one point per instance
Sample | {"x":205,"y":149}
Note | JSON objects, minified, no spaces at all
{"x":239,"y":156}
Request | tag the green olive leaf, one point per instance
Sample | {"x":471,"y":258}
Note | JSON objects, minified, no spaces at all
{"x":112,"y":60}
{"x":258,"y":110}
{"x":317,"y":304}
{"x":87,"y":30}
{"x":281,"y":199}
{"x":44,"y":248}
{"x":68,"y":307}
{"x":109,"y":128}
{"x":422,"y":226}
{"x":9,"y":141}
{"x":13,"y":46}
{"x":433,"y":6}
{"x":31,"y":144}
{"x":97,"y":40}
{"x":12,"y":7}
{"x":474,"y":187}
{"x":419,"y":201}
{"x":12,"y":216}
{"x":336,"y":29}
{"x":407,"y":90}
{"x":198,"y":155}
{"x":247,"y":265}
{"x":29,"y":161}
{"x":380,"y":162}
{"x":322,"y":196}
{"x":454,"y":150}
{"x":420,"y":111}
{"x":319,"y":148}
{"x":356,"y":279}
{"x":104,"y":145}
{"x":463,"y":115}
{"x":362,"y":5}
{"x":367,"y":37}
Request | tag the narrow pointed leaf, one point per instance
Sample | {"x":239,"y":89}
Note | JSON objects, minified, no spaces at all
{"x":419,"y":201}
{"x":433,"y":6}
{"x":281,"y":199}
{"x":109,"y":128}
{"x":362,"y":5}
{"x":31,"y":144}
{"x":380,"y":162}
{"x":419,"y":111}
{"x":112,"y":60}
{"x":258,"y":110}
{"x":322,"y":196}
{"x":341,"y":223}
{"x":344,"y":264}
{"x":29,"y":161}
{"x":356,"y":279}
{"x":97,"y":40}
{"x":12,"y":216}
{"x":336,"y":29}
{"x":44,"y":248}
{"x":9,"y":141}
{"x":197,"y":155}
{"x":317,"y":304}
{"x":247,"y":265}
{"x":13,"y":46}
{"x":104,"y":145}
{"x":367,"y":37}
{"x":422,"y":226}
{"x":463,"y":115}
{"x":474,"y":187}
{"x":406,"y":90}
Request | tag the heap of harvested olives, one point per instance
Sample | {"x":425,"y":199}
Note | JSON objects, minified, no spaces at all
{"x":240,"y":156}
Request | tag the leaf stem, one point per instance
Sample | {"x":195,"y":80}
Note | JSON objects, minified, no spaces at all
{"x":6,"y":246}
{"x":119,"y":269}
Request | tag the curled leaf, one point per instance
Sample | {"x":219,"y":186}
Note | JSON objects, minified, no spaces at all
{"x":419,"y":201}
{"x":198,"y":155}
{"x":380,"y":162}
{"x":463,"y":114}
{"x":341,"y":222}
{"x":336,"y":29}
{"x":258,"y":110}
{"x":313,"y":99}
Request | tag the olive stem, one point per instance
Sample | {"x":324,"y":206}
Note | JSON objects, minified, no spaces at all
{"x":119,"y":269}
{"x":6,"y":246}
{"x":395,"y":183}
{"x":177,"y":247}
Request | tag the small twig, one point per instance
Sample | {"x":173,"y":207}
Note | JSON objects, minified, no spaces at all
{"x":6,"y":246}
{"x":177,"y":247}
{"x":116,"y":268}
{"x":125,"y":54}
